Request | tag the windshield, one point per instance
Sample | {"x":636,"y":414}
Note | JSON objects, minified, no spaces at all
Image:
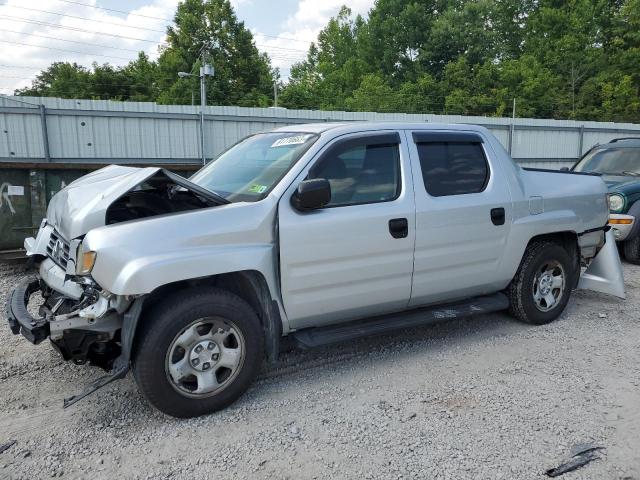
{"x":250,"y":169}
{"x":613,"y":161}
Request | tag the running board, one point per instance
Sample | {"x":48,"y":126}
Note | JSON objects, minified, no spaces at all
{"x":316,"y":336}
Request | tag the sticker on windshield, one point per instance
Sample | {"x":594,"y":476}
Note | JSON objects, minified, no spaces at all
{"x":296,"y":140}
{"x":258,"y":188}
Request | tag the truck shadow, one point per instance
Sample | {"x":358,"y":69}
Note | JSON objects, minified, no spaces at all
{"x":433,"y":338}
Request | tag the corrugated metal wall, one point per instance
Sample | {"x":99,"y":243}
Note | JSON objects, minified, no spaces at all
{"x":61,"y":131}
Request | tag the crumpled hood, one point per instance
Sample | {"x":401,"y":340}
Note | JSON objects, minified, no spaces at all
{"x":82,"y":205}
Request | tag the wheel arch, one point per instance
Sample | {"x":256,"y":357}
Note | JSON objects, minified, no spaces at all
{"x":249,"y":285}
{"x":567,"y":239}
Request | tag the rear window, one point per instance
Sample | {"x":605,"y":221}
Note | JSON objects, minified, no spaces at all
{"x":453,"y":168}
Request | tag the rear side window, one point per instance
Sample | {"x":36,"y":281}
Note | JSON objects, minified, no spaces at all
{"x":453,"y":168}
{"x":361,"y":170}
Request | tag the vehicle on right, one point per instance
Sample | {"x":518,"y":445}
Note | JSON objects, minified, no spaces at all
{"x":618,"y":162}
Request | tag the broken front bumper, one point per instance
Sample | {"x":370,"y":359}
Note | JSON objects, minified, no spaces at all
{"x":78,"y":318}
{"x":20,"y":320}
{"x":73,"y":334}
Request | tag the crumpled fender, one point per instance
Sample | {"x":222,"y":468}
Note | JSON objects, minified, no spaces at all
{"x":604,"y":274}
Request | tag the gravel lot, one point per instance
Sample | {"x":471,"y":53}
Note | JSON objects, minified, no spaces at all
{"x":482,"y":398}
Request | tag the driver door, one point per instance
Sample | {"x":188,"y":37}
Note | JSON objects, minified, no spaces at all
{"x":353,"y":258}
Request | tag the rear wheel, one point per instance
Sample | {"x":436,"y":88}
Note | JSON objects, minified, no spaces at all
{"x":541,"y":288}
{"x":631,"y":250}
{"x":198,"y":351}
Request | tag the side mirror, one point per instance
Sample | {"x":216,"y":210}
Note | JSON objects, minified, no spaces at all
{"x":564,"y":169}
{"x":311,"y":195}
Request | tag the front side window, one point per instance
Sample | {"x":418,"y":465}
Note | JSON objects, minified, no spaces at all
{"x":453,"y":168}
{"x":361,"y":170}
{"x":250,"y":169}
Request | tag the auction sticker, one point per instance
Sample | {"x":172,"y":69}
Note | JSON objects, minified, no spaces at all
{"x":296,"y":140}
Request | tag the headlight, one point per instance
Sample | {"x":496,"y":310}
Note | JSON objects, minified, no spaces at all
{"x":84,"y":261}
{"x":616,"y":202}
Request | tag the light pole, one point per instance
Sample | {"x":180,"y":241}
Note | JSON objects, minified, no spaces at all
{"x":205,"y":70}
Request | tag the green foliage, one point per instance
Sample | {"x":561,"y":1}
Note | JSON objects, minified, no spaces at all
{"x":575,"y":59}
{"x":243,"y":76}
{"x":558,"y":59}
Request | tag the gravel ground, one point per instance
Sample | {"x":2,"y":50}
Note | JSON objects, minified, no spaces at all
{"x":481,"y":398}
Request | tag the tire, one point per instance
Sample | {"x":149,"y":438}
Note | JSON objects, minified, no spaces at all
{"x":631,"y":250}
{"x":538,"y":258}
{"x":175,"y":334}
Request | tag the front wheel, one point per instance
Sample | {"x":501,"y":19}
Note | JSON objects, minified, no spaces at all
{"x":541,"y":288}
{"x":198,"y":351}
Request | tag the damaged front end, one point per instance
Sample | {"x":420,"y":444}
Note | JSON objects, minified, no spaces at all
{"x":84,"y":321}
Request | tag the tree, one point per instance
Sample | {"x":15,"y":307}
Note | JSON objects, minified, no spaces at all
{"x":395,"y":35}
{"x":373,"y":95}
{"x":61,"y":79}
{"x":333,"y":69}
{"x":559,"y":59}
{"x":243,"y":75}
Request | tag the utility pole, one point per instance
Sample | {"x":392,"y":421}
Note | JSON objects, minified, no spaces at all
{"x":514,"y":108}
{"x":275,"y":93}
{"x":203,"y":104}
{"x":205,"y":70}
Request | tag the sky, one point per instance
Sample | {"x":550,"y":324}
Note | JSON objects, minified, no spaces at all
{"x":35,"y":33}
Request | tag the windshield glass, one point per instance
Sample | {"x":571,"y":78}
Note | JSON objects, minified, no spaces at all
{"x":250,"y":169}
{"x":613,"y":161}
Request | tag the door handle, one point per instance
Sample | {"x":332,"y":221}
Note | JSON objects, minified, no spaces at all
{"x":497,"y":216}
{"x":399,"y":227}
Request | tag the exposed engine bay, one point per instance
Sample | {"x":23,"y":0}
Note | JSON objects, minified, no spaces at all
{"x":163,"y":193}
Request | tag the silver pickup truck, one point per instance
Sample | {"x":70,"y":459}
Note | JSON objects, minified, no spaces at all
{"x":320,"y":233}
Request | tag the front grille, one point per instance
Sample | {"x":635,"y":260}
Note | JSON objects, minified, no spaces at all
{"x":58,"y":249}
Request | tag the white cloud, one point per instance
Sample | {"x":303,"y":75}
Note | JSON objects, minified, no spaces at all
{"x":303,"y":27}
{"x":25,"y":49}
{"x":31,"y":39}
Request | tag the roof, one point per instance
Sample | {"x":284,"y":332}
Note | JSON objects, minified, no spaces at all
{"x":625,"y":142}
{"x":360,"y":126}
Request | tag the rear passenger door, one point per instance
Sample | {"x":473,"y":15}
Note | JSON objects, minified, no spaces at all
{"x":463,"y":216}
{"x":353,"y":258}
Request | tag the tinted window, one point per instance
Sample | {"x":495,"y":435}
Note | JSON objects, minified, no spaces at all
{"x":450,"y":168}
{"x":360,"y":171}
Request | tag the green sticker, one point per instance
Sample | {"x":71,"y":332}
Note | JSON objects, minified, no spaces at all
{"x":258,"y":188}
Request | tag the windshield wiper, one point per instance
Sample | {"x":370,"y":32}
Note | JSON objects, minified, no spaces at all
{"x":633,"y":174}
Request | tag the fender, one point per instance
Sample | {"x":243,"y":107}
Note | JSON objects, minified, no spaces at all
{"x":526,"y":228}
{"x":135,"y":258}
